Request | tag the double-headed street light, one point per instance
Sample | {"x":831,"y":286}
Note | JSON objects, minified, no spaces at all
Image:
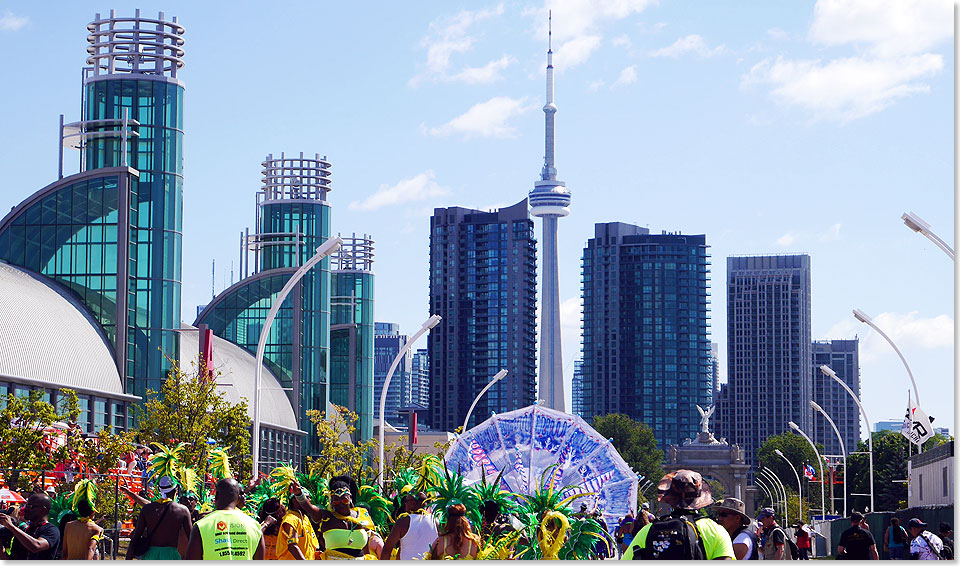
{"x":865,"y":318}
{"x":863,"y":412}
{"x":430,"y":323}
{"x":327,"y":248}
{"x":918,"y":224}
{"x":500,"y":375}
{"x":799,"y":487}
{"x":823,"y":502}
{"x":843,"y":450}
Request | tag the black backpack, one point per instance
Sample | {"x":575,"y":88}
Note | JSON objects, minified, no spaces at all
{"x":674,"y":537}
{"x":794,"y":549}
{"x":755,"y":551}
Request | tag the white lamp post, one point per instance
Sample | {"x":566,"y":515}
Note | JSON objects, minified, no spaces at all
{"x":843,"y":450}
{"x":917,"y":224}
{"x":430,"y":323}
{"x":783,"y":489}
{"x":327,"y":248}
{"x":864,"y":318}
{"x":774,"y":501}
{"x":500,"y":375}
{"x":799,"y":486}
{"x":823,"y":503}
{"x":863,"y":412}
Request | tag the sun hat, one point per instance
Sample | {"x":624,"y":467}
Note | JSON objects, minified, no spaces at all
{"x":735,"y":505}
{"x":684,"y":489}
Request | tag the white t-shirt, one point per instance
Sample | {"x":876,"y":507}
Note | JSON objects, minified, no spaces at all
{"x":744,"y":539}
{"x":919,"y":546}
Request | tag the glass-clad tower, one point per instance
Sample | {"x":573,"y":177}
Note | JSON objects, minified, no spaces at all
{"x":645,"y":321}
{"x":112,"y":232}
{"x":352,"y":331}
{"x":292,"y":220}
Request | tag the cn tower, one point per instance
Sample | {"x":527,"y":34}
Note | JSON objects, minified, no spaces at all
{"x":550,"y":200}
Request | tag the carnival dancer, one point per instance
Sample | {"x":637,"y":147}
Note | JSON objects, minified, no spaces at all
{"x":165,"y":524}
{"x":414,"y":530}
{"x":457,"y":539}
{"x":348,"y":532}
{"x":80,"y":537}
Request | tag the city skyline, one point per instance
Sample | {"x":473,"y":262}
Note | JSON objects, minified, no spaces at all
{"x":773,"y":164}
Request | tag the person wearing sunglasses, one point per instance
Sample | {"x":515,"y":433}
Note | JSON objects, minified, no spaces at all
{"x":40,"y":540}
{"x":729,"y":513}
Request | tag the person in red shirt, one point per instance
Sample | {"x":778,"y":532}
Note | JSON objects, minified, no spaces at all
{"x":803,"y":540}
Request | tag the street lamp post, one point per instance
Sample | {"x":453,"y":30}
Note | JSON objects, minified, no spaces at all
{"x":799,"y":486}
{"x":774,"y":501}
{"x":500,"y":375}
{"x":783,"y":489}
{"x":917,"y":224}
{"x":823,"y":504}
{"x":843,"y":450}
{"x":864,"y":318}
{"x":327,"y":248}
{"x":863,"y":412}
{"x":430,"y":323}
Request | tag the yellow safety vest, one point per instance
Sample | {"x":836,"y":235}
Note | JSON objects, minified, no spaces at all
{"x":229,"y":535}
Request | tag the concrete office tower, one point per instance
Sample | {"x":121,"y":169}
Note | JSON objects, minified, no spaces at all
{"x":844,"y":357}
{"x":645,"y":348}
{"x":352,"y":331}
{"x":483,"y":282}
{"x":550,"y":200}
{"x":387,"y":344}
{"x":420,"y":379}
{"x":769,"y":382}
{"x":292,"y":220}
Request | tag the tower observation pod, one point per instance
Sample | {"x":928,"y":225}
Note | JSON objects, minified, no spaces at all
{"x":550,"y":200}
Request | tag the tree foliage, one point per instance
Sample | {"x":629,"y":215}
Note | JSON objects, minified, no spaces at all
{"x":890,"y":453}
{"x":798,"y":453}
{"x":22,"y":424}
{"x":634,"y":441}
{"x":190,"y":409}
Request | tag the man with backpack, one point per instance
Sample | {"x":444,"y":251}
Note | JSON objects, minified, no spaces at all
{"x":730,"y":514}
{"x":856,"y":543}
{"x":683,"y":534}
{"x":773,"y":539}
{"x":925,"y":545}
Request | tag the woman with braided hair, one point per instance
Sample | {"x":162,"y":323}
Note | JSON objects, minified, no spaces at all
{"x":346,"y":532}
{"x":457,"y":539}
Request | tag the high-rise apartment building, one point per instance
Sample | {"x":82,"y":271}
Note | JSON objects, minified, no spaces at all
{"x":352,"y":330}
{"x":483,"y":284}
{"x":420,"y":379}
{"x":769,"y":382}
{"x":576,"y":393}
{"x":387,"y":343}
{"x":645,"y":348}
{"x":844,"y":358}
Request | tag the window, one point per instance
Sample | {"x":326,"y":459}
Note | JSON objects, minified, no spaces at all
{"x":945,"y":481}
{"x":920,"y":486}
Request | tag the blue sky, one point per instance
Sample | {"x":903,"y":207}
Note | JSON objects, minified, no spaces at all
{"x":771,"y":127}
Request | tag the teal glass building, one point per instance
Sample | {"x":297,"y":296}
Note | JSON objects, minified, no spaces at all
{"x":352,"y":332}
{"x":292,"y":220}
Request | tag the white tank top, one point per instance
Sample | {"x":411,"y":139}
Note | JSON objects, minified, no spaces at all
{"x":419,"y":537}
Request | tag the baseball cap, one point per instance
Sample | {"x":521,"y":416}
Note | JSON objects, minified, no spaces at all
{"x":916,"y":524}
{"x":766,"y":512}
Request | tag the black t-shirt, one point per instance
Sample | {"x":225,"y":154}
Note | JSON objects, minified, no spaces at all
{"x":45,"y":531}
{"x":857,"y":542}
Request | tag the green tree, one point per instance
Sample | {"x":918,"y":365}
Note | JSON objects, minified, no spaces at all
{"x":22,"y":424}
{"x":338,"y":453}
{"x":890,"y":452}
{"x":635,"y":442}
{"x":189,"y":408}
{"x":799,"y":453}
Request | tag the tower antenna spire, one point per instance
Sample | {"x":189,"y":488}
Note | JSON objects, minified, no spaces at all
{"x":550,"y":30}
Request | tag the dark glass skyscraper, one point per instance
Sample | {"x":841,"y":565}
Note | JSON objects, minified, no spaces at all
{"x":387,"y":343}
{"x":843,"y":356}
{"x":645,"y":348}
{"x":769,"y":381}
{"x":483,"y":283}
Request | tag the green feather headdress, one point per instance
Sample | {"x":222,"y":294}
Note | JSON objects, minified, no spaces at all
{"x":190,"y":481}
{"x":165,"y":461}
{"x":220,"y":464}
{"x":378,"y":506}
{"x":282,"y":477}
{"x":431,"y":473}
{"x":85,"y":490}
{"x":449,"y":490}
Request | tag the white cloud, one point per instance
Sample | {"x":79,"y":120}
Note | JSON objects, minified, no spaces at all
{"x":908,"y":331}
{"x":420,"y":187}
{"x":448,"y":37}
{"x":622,"y":41}
{"x":578,"y":24}
{"x":570,"y":312}
{"x":891,"y":43}
{"x":488,"y":119}
{"x":786,"y":240}
{"x":577,"y":50}
{"x":594,"y":86}
{"x":486,"y":74}
{"x":12,"y":22}
{"x":689,"y":44}
{"x":627,"y":76}
{"x":831,"y":234}
{"x":885,"y":27}
{"x":845,"y":89}
{"x":777,"y":33}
